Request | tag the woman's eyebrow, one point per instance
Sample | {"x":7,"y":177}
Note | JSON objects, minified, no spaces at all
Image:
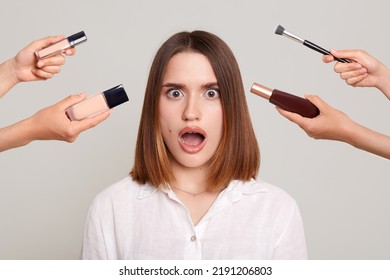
{"x":210,"y":85}
{"x":169,"y":84}
{"x":182,"y":86}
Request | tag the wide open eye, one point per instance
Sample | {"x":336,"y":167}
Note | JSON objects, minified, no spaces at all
{"x":212,"y":93}
{"x":174,"y":93}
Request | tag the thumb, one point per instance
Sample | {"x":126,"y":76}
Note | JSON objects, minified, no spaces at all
{"x":327,"y":58}
{"x":88,"y":123}
{"x":317,"y":101}
{"x":343,"y":54}
{"x":71,"y":100}
{"x":47,"y":41}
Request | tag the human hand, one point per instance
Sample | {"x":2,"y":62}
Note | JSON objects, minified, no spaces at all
{"x":363,"y":70}
{"x":52,"y":123}
{"x":26,"y":67}
{"x":330,"y":124}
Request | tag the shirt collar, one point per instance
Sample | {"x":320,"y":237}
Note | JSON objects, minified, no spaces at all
{"x":234,"y":190}
{"x":146,"y":190}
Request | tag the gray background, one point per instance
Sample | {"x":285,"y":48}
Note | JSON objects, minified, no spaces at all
{"x":46,"y":187}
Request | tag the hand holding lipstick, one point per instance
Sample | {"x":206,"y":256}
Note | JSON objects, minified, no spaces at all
{"x":286,"y":101}
{"x":329,"y":124}
{"x":51,"y":123}
{"x":363,"y":70}
{"x":333,"y":124}
{"x":25,"y":67}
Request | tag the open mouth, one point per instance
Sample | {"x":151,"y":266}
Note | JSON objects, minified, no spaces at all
{"x":192,"y":139}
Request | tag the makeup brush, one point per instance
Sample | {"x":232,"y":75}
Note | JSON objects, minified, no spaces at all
{"x":281,"y":31}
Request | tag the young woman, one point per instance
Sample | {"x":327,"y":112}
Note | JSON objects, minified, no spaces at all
{"x":191,"y":193}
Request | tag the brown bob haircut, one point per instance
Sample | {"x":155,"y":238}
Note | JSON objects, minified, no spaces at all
{"x":237,"y":156}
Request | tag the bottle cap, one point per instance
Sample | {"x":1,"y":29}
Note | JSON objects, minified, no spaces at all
{"x":77,"y":38}
{"x":115,"y":96}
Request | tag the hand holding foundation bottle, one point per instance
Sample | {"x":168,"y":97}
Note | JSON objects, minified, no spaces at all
{"x":26,"y":67}
{"x":41,"y":60}
{"x":50,"y":123}
{"x":97,"y":104}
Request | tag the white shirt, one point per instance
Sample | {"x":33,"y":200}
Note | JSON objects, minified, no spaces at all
{"x":248,"y":220}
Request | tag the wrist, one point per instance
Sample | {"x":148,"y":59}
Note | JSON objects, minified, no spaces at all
{"x":11,"y":68}
{"x":28,"y":130}
{"x":347,"y":130}
{"x":384,"y":82}
{"x":8,"y":78}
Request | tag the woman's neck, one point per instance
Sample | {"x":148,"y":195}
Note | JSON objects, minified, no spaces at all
{"x":192,"y":190}
{"x":192,"y":180}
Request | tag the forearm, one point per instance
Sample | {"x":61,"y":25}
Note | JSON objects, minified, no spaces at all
{"x":7,"y":77}
{"x":16,"y":135}
{"x":371,"y":141}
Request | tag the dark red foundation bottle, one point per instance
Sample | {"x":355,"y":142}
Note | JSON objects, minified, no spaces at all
{"x":286,"y":101}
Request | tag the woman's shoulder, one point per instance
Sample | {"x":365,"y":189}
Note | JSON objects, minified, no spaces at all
{"x":125,"y":188}
{"x":269,"y":191}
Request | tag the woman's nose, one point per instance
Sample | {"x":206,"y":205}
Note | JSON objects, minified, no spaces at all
{"x":191,"y":110}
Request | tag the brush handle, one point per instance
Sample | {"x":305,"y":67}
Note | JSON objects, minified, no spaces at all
{"x":293,"y":103}
{"x":321,"y":50}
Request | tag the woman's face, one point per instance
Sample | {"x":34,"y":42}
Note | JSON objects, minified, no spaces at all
{"x":190,"y":110}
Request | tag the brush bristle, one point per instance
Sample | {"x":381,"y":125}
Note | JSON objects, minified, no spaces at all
{"x":279,"y":30}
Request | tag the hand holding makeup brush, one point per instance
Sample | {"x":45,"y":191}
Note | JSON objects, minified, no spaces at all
{"x":363,"y":71}
{"x":333,"y":124}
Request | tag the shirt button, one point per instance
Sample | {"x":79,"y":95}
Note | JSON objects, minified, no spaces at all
{"x":193,"y":238}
